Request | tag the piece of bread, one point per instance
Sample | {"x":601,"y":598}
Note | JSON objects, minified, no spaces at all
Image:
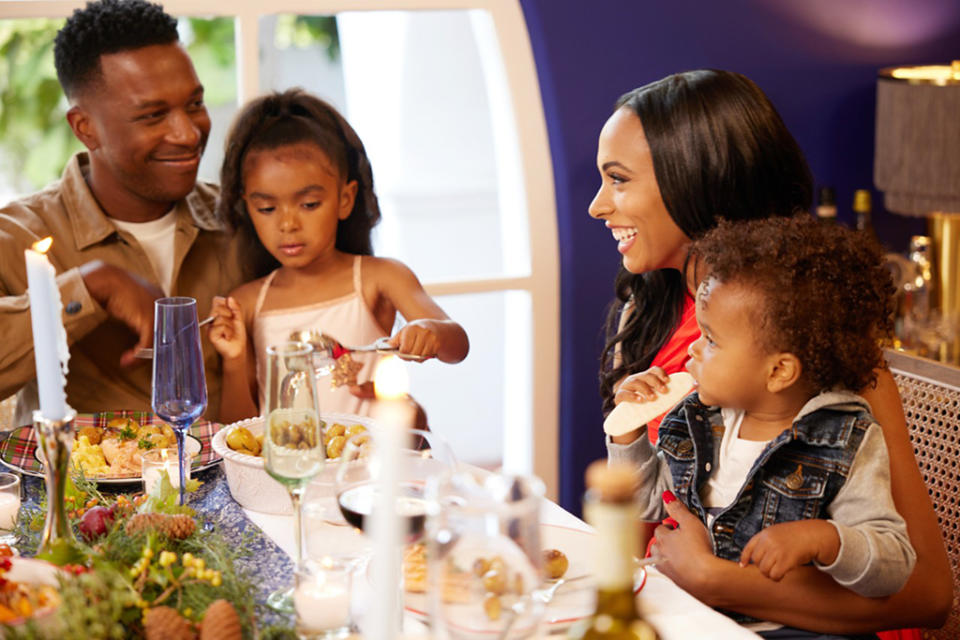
{"x":628,"y":416}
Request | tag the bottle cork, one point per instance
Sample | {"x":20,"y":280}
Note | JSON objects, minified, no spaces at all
{"x":613,"y":482}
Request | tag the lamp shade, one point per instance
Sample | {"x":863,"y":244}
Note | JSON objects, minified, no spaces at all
{"x":917,"y":157}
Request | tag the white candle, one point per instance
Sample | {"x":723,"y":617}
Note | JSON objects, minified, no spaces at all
{"x":156,"y":461}
{"x":9,"y":506}
{"x":393,"y":415}
{"x":49,"y":338}
{"x":323,"y":601}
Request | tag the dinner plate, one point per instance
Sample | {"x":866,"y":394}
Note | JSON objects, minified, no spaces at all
{"x":19,"y":450}
{"x":572,"y":602}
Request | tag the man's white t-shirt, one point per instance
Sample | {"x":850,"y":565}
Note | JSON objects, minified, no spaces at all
{"x":156,"y":237}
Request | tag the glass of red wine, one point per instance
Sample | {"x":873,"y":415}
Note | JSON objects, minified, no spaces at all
{"x":424,"y":454}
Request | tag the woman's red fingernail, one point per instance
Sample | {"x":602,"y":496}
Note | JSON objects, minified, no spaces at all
{"x":668,"y":496}
{"x":670,"y":522}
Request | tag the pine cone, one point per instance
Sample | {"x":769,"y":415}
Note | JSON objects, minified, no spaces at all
{"x":221,"y":622}
{"x":177,"y":526}
{"x":164,"y":623}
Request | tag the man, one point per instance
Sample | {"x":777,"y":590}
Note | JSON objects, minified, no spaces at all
{"x":128,"y":219}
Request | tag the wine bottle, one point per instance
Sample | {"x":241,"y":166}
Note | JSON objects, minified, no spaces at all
{"x":861,"y":209}
{"x":610,"y":506}
{"x":827,"y":205}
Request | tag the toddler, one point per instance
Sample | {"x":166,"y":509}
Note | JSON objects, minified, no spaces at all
{"x":782,"y":462}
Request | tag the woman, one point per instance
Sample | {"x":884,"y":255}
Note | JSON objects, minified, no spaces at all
{"x":676,"y":155}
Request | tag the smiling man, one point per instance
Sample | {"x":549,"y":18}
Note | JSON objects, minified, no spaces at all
{"x":128,"y":218}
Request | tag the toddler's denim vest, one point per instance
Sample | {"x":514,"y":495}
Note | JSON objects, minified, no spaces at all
{"x":796,"y":477}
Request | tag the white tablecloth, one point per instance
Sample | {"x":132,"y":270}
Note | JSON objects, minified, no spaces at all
{"x":676,"y":614}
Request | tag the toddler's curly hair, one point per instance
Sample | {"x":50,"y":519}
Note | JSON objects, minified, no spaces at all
{"x":827,"y":296}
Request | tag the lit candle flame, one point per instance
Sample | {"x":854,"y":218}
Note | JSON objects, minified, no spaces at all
{"x":41,"y":246}
{"x":390,"y":379}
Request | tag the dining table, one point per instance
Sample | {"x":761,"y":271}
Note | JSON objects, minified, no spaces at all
{"x":675,"y":614}
{"x":269,"y":539}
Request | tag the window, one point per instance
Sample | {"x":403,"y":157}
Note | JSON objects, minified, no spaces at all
{"x":459,"y":150}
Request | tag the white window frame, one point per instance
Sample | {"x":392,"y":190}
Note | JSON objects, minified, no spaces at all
{"x":533,"y":452}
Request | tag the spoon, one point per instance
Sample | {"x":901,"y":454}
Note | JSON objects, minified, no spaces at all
{"x":322,"y":343}
{"x":147,"y":353}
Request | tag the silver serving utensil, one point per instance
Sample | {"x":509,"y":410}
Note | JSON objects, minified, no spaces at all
{"x":333,"y":348}
{"x":147,"y":353}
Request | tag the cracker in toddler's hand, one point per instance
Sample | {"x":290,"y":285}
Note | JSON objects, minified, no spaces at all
{"x":628,"y":416}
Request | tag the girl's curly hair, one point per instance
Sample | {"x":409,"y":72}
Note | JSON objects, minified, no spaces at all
{"x":280,"y":119}
{"x":826,"y":294}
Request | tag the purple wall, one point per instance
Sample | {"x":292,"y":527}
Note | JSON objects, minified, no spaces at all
{"x":816,"y":59}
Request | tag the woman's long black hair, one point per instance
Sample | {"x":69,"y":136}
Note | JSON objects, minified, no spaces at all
{"x":720,"y":150}
{"x":280,"y":119}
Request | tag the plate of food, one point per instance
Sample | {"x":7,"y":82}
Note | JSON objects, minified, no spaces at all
{"x":567,"y":558}
{"x":108,"y":445}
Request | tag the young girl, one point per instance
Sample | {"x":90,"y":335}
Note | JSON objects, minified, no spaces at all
{"x":297,"y":183}
{"x":776,"y":455}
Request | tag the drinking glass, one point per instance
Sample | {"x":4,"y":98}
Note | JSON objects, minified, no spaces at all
{"x":423,"y":454}
{"x":179,"y":385}
{"x":359,"y":490}
{"x":484,"y":555}
{"x":293,"y":451}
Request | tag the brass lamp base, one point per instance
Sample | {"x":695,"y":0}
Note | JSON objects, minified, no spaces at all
{"x":944,"y":230}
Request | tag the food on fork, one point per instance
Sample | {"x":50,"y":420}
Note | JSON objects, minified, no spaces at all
{"x":628,"y":416}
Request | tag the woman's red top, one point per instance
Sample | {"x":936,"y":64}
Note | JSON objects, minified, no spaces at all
{"x":673,"y":354}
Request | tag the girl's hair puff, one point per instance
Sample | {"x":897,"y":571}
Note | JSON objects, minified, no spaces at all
{"x":280,"y":119}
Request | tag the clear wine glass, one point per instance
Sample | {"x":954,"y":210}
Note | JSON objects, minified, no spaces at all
{"x":293,"y":451}
{"x":179,"y":384}
{"x":424,"y":454}
{"x":485,"y":555}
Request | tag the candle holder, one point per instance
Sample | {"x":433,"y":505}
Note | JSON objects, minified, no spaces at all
{"x":56,"y":441}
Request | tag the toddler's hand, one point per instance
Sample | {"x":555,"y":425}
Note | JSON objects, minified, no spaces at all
{"x":643,"y":386}
{"x":227,"y":333}
{"x":418,"y":338}
{"x":782,"y":547}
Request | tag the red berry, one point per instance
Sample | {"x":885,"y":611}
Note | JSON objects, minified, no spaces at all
{"x":95,"y":522}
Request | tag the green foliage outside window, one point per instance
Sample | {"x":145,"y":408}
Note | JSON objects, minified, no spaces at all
{"x":35,"y":139}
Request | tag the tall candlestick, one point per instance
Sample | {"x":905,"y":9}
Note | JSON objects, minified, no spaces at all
{"x":393,"y":415}
{"x":50,"y":350}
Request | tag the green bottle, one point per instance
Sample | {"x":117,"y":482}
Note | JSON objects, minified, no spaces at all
{"x":610,"y":506}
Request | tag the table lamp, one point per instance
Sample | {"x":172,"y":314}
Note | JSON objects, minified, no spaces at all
{"x":917,"y":166}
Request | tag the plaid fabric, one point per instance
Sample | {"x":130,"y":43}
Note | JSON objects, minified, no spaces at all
{"x":19,"y":449}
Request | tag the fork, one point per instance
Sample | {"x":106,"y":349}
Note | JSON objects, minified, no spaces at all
{"x":147,"y":353}
{"x":543,"y":595}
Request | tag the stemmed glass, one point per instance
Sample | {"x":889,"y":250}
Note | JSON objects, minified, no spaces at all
{"x":424,"y":454}
{"x":293,"y":451}
{"x":179,"y":385}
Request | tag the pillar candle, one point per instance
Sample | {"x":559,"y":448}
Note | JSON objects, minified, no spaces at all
{"x":50,"y":350}
{"x":393,"y":415}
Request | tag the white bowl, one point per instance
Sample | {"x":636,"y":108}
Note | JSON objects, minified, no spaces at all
{"x":252,"y":486}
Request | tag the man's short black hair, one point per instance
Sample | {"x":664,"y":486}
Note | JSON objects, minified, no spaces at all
{"x":104,"y":27}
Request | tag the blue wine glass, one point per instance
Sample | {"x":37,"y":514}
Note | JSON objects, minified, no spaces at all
{"x":179,"y":385}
